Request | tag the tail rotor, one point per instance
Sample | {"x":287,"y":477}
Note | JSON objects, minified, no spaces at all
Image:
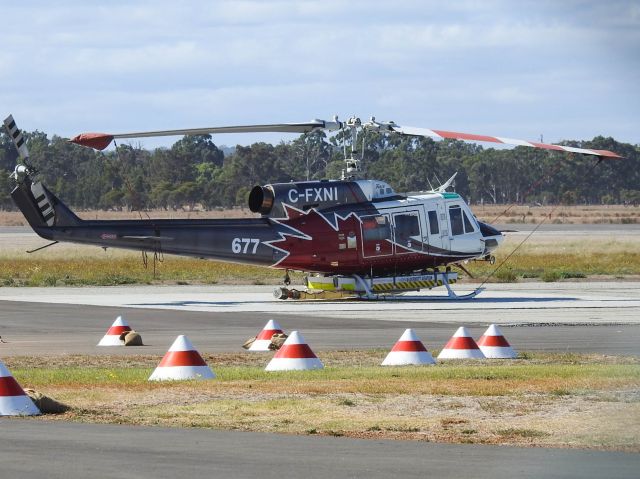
{"x":22,"y":169}
{"x":23,"y":175}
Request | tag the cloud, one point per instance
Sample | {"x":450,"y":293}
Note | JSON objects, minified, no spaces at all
{"x":483,"y":66}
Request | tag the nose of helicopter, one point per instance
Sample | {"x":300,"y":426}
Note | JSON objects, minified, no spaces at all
{"x":491,"y":236}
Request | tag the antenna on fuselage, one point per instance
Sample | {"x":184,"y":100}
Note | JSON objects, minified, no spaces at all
{"x":447,"y":184}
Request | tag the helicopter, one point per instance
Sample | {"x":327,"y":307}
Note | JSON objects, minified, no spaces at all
{"x":352,"y":237}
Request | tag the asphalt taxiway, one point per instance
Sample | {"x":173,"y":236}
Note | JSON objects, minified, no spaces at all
{"x":31,"y":448}
{"x":601,"y":302}
{"x":567,"y":317}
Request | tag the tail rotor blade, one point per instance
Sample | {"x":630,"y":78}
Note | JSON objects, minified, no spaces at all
{"x":17,"y":137}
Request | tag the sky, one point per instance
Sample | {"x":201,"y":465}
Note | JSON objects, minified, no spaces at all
{"x":521,"y":69}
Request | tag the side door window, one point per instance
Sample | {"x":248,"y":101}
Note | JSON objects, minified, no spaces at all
{"x":376,"y":235}
{"x":407,"y":232}
{"x":455,"y":217}
{"x":434,"y":229}
{"x":433,"y":241}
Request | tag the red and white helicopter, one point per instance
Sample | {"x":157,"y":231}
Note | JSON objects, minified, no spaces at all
{"x":353,"y":237}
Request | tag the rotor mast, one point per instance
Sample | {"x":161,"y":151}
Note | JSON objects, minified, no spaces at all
{"x":352,"y":164}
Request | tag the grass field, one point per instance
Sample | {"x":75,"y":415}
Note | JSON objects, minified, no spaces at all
{"x":560,"y":400}
{"x":545,"y":256}
{"x":542,"y":258}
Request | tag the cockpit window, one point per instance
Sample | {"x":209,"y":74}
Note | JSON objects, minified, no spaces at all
{"x":468,"y":226}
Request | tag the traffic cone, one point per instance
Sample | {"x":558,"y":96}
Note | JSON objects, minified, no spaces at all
{"x":461,"y":346}
{"x":13,"y":400}
{"x":294,"y":355}
{"x":409,"y":350}
{"x":182,"y":361}
{"x":263,"y":340}
{"x":112,"y":338}
{"x":494,"y":345}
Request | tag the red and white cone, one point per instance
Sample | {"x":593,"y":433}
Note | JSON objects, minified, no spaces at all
{"x":461,"y":346}
{"x":494,"y":345}
{"x":13,"y":400}
{"x":182,"y":361}
{"x":263,"y":340}
{"x":294,"y":355}
{"x":112,"y":338}
{"x":409,"y":350}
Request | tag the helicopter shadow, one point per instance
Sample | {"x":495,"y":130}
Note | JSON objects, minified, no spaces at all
{"x":397,"y":299}
{"x":422,"y":299}
{"x":188,"y":303}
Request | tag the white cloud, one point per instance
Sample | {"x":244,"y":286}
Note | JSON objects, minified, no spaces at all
{"x":73,"y":66}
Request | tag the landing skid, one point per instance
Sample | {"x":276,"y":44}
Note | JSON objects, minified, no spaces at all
{"x":451,"y":296}
{"x":365,"y":293}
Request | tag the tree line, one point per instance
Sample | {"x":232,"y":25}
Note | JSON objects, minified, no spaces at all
{"x":194,"y":171}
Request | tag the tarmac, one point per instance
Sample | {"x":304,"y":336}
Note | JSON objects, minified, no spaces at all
{"x":38,"y":328}
{"x":567,"y":317}
{"x":32,"y":448}
{"x":535,"y":302}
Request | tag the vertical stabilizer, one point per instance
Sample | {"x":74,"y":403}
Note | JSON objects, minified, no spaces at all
{"x":43,"y":202}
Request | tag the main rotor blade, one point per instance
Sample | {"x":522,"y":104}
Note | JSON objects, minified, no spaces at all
{"x":100,"y":141}
{"x":441,"y":134}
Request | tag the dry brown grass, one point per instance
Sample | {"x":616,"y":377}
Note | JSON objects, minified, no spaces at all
{"x":546,"y":255}
{"x":15,"y":218}
{"x":560,"y":400}
{"x":543,"y":257}
{"x":592,"y":214}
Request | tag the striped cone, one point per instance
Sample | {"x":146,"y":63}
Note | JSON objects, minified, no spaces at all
{"x":13,"y":400}
{"x":182,"y":361}
{"x":461,"y":346}
{"x":409,"y":350}
{"x":112,"y":338}
{"x":294,"y":355}
{"x":494,"y":345}
{"x":263,"y":340}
